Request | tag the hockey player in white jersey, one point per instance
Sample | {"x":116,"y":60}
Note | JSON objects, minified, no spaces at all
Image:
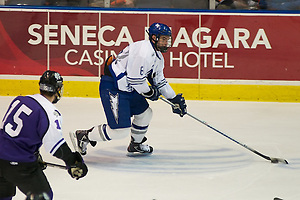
{"x":30,"y":122}
{"x":124,"y":89}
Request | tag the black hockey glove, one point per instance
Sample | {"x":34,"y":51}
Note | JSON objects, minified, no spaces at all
{"x":153,"y":94}
{"x":40,"y":160}
{"x":75,"y":164}
{"x":179,"y":105}
{"x":77,"y":168}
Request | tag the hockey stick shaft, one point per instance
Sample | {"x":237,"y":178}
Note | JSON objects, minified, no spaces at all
{"x":273,"y":160}
{"x":55,"y":165}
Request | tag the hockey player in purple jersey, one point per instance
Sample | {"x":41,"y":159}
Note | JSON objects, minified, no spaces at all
{"x":124,"y":89}
{"x":30,"y":122}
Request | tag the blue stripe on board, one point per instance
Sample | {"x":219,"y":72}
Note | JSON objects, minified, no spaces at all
{"x":154,"y":10}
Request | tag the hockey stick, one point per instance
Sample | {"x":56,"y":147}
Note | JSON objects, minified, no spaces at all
{"x":55,"y":165}
{"x":273,"y":160}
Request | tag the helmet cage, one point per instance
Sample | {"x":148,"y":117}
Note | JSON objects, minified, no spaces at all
{"x":159,"y":29}
{"x":163,"y":49}
{"x":52,"y":82}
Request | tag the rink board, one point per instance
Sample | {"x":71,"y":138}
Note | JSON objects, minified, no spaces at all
{"x":213,"y":53}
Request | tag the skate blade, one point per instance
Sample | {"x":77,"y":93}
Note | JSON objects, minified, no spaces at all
{"x":74,"y":141}
{"x":137,"y":154}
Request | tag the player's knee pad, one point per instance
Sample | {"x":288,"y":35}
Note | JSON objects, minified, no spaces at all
{"x":144,"y":118}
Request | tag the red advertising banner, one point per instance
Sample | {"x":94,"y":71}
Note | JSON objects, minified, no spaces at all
{"x":73,"y":43}
{"x":249,"y":46}
{"x":17,"y":55}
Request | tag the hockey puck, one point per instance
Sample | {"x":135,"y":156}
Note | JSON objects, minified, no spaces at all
{"x":276,"y":198}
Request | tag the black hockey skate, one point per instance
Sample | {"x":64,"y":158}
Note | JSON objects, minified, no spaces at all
{"x":139,"y":149}
{"x":80,"y":140}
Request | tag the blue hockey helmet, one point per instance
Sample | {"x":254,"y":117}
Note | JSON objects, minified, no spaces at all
{"x":52,"y":82}
{"x":159,"y":29}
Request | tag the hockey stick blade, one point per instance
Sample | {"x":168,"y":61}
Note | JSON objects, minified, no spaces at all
{"x":273,"y":160}
{"x":278,"y":160}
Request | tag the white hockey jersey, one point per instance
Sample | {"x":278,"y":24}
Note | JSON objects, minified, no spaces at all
{"x":135,"y":63}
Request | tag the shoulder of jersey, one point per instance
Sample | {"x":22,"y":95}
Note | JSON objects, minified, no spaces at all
{"x":47,"y":105}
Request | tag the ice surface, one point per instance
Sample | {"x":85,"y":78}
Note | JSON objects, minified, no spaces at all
{"x":190,"y":161}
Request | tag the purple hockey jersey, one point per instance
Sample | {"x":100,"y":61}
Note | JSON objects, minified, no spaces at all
{"x":29,"y":122}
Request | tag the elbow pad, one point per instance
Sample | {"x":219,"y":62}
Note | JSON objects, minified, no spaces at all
{"x":153,"y":94}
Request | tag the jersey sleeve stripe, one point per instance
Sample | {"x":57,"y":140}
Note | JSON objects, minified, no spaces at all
{"x":162,"y":84}
{"x":136,"y":81}
{"x":57,"y":145}
{"x":120,"y":76}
